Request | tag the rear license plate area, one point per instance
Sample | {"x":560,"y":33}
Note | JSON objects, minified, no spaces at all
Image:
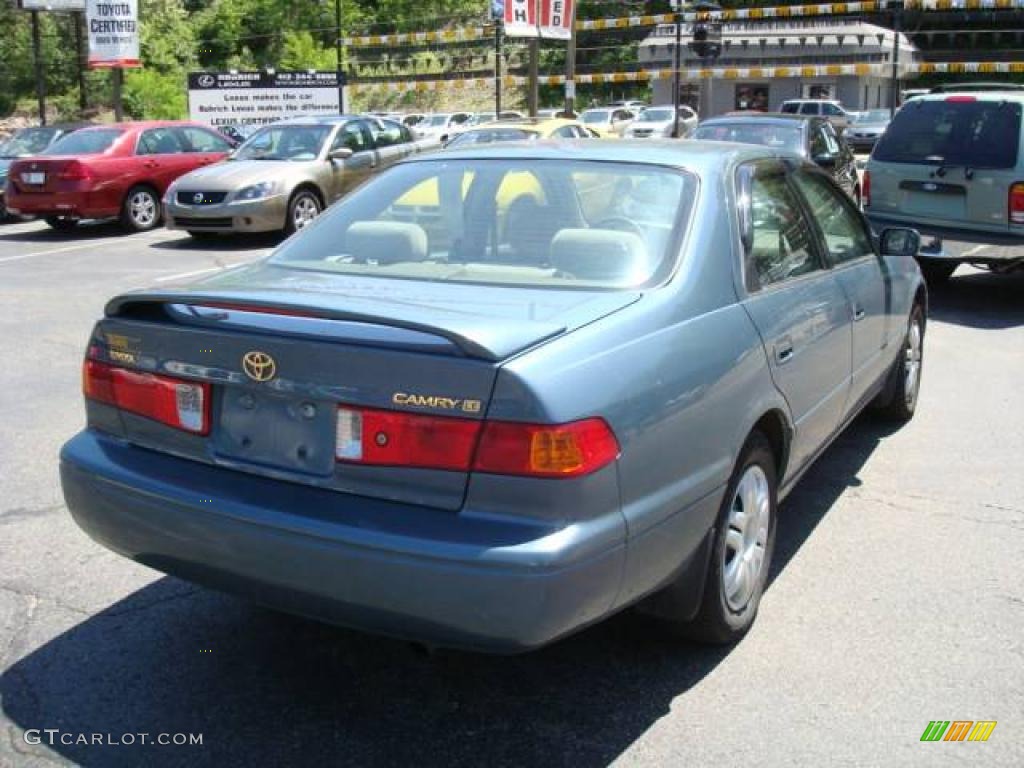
{"x":283,"y":432}
{"x":34,"y":178}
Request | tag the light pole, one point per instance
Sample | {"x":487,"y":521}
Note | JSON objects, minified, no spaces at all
{"x":707,"y":38}
{"x":338,"y":53}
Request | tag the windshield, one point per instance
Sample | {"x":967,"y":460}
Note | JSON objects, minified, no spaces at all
{"x":284,"y":142}
{"x":600,"y":116}
{"x":491,"y":135}
{"x":873,"y":116}
{"x":980,"y":134}
{"x":437,"y":120}
{"x":30,"y":141}
{"x":93,"y":141}
{"x":549,"y":223}
{"x":769,"y":135}
{"x":655,"y":116}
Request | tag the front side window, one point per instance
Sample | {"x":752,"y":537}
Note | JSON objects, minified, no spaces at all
{"x":845,"y":235}
{"x":779,"y":245}
{"x":808,"y":108}
{"x":159,"y":141}
{"x":543,"y":223}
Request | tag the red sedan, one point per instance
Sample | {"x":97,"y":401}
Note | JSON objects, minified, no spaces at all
{"x":111,"y":171}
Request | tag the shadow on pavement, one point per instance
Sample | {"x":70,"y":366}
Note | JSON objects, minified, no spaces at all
{"x":268,"y":689}
{"x":979,"y":300}
{"x":240,"y":242}
{"x":45,"y":234}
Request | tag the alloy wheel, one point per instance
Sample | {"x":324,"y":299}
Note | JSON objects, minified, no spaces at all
{"x":743,"y":556}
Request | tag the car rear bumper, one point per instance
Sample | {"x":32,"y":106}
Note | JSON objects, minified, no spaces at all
{"x":945,"y":232}
{"x":74,"y":204}
{"x":267,"y":215}
{"x":406,"y":571}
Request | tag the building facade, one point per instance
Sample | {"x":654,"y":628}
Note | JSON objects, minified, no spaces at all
{"x":795,"y":43}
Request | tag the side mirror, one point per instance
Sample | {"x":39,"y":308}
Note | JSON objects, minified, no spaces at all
{"x":900,"y":241}
{"x":826,"y":161}
{"x":341,"y":153}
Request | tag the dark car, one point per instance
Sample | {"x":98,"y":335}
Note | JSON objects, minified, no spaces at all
{"x":28,"y":142}
{"x":813,"y":138}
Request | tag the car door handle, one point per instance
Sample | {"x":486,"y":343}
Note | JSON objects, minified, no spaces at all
{"x":783,"y":351}
{"x":858,"y":314}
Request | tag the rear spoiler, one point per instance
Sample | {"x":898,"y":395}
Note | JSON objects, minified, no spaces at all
{"x":476,"y":335}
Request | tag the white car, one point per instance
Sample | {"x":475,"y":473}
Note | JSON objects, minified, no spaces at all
{"x":836,"y":113}
{"x":608,"y":121}
{"x":443,"y":125}
{"x":659,"y":122}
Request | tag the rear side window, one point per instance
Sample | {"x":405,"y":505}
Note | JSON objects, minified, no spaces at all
{"x":790,"y":107}
{"x":92,"y":142}
{"x":159,"y":141}
{"x":808,"y":108}
{"x":978,"y":134}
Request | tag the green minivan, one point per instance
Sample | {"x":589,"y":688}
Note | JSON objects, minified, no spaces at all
{"x":951,"y":165}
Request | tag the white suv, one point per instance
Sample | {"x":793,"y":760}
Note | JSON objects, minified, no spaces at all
{"x":833,"y":110}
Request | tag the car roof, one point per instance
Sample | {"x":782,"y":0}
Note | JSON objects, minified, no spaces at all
{"x":696,"y":155}
{"x":141,"y":125}
{"x":977,"y":95}
{"x":775,"y":118}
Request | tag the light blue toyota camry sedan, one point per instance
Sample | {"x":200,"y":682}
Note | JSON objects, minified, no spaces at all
{"x":497,"y":394}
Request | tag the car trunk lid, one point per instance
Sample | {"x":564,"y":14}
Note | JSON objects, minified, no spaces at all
{"x":331,"y":342}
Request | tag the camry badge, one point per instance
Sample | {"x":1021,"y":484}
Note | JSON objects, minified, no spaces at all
{"x":258,"y":366}
{"x":197,"y":197}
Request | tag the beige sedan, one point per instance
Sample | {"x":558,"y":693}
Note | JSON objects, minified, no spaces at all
{"x":285,"y":174}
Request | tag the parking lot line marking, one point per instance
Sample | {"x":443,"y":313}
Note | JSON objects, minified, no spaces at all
{"x":66,"y":249}
{"x":193,"y":273}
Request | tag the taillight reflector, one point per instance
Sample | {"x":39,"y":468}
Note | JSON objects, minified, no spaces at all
{"x":392,"y":438}
{"x":74,"y":171}
{"x":961,"y":99}
{"x":1017,"y":203}
{"x":181,"y":404}
{"x":865,"y":189}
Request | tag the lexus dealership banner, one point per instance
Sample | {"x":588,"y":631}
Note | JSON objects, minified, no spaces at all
{"x":113,"y":29}
{"x":231,"y":98}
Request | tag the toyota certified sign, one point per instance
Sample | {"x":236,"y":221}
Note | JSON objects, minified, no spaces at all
{"x":113,"y":33}
{"x":231,"y":98}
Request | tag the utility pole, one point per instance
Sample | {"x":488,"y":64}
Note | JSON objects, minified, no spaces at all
{"x":76,"y":20}
{"x":497,"y":68}
{"x":118,"y":74}
{"x":338,"y":57}
{"x":677,"y":53}
{"x":570,"y":72}
{"x":40,"y":77}
{"x":894,"y":88}
{"x":534,"y":76}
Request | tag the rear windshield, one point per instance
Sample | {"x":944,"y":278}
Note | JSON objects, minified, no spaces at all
{"x":978,"y":134}
{"x":539,"y":223}
{"x":491,"y":135}
{"x":788,"y":137}
{"x":656,"y":115}
{"x":88,"y":142}
{"x":595,"y":117}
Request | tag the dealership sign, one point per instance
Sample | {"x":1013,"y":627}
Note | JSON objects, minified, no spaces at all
{"x":230,"y":98}
{"x":52,"y":5}
{"x":113,"y":33}
{"x":537,"y":18}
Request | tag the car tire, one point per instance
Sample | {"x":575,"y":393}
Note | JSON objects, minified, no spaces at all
{"x":303,"y":207}
{"x":937,"y":272}
{"x":741,"y":555}
{"x":898,"y":401}
{"x":61,"y":223}
{"x":140,"y":211}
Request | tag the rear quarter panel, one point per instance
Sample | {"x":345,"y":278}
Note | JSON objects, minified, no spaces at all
{"x":680,"y":377}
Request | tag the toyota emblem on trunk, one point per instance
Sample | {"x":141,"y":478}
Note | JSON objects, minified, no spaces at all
{"x":258,"y":366}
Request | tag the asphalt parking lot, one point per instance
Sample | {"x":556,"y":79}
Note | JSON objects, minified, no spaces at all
{"x":896,"y":596}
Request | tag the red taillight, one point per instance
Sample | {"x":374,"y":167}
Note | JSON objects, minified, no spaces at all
{"x":369,"y":436}
{"x":1017,"y":202}
{"x":391,"y":438}
{"x":961,"y":99}
{"x":865,"y":189}
{"x":177,"y":403}
{"x":75,"y":171}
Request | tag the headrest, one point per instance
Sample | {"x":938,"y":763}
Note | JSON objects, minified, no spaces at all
{"x":601,"y":254}
{"x":387,"y":242}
